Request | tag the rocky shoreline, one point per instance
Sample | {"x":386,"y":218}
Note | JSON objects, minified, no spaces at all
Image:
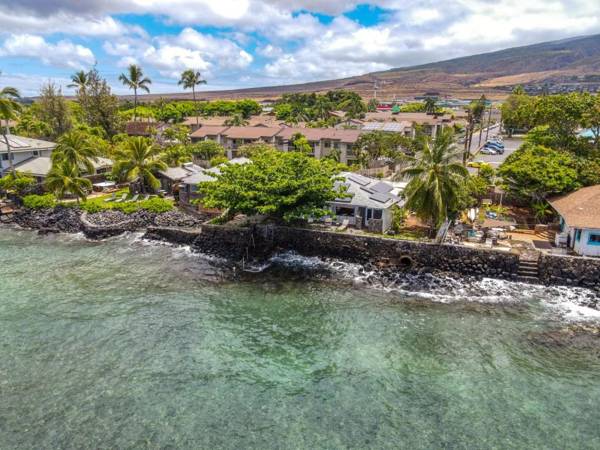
{"x":98,"y":225}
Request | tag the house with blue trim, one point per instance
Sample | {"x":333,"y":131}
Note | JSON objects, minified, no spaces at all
{"x":579,"y":214}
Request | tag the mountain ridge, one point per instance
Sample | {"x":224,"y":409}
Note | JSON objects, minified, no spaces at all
{"x":555,"y":66}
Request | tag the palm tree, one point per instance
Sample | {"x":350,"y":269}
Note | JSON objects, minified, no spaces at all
{"x":322,"y":107}
{"x":77,"y":150}
{"x":190,"y":79}
{"x":8,"y":110}
{"x":430,"y":105}
{"x":65,"y":178}
{"x":138,"y":158}
{"x":135,"y":81}
{"x":237,"y":120}
{"x":436,"y":178}
{"x":80,"y":81}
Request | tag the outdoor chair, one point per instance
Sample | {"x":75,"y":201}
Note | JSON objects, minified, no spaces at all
{"x":112,"y":198}
{"x":122,"y":199}
{"x":146,"y":197}
{"x":134,"y":198}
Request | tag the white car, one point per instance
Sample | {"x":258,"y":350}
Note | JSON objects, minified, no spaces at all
{"x":488,"y":151}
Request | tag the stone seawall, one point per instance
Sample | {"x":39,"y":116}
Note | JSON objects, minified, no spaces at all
{"x":393,"y":253}
{"x":569,"y":270}
{"x":242,"y":244}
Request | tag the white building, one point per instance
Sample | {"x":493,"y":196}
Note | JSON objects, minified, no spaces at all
{"x":22,"y":149}
{"x":579,"y":214}
{"x":369,"y":202}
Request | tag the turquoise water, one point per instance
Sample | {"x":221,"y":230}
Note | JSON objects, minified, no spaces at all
{"x":124,"y":344}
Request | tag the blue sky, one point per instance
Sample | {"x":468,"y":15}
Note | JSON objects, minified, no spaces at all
{"x":246,"y":43}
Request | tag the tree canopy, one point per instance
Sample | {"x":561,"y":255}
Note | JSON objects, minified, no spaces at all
{"x":535,"y":172}
{"x":285,"y":186}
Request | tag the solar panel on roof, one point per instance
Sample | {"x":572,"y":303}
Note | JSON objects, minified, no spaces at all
{"x":379,"y":197}
{"x":382,"y":187}
{"x":366,"y":189}
{"x":358,"y":179}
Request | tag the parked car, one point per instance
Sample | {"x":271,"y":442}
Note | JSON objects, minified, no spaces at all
{"x":488,"y":151}
{"x":494,"y":144}
{"x":495,"y":147}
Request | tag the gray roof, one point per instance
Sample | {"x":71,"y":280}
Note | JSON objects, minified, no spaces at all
{"x":181,"y":172}
{"x":394,"y":127}
{"x":41,"y":165}
{"x":38,"y":166}
{"x":209,"y":174}
{"x":368,"y":192}
{"x":24,"y":144}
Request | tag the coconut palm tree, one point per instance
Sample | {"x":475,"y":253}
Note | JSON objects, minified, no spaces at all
{"x":79,"y":81}
{"x":9,"y":107}
{"x":138,"y":158}
{"x":322,"y":107}
{"x":135,"y":80}
{"x":65,"y":178}
{"x":189,"y":80}
{"x":76,"y":149}
{"x":237,"y":120}
{"x":436,"y":179}
{"x":430,"y":105}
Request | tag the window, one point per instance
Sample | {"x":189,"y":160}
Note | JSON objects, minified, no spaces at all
{"x":594,"y":239}
{"x":327,"y":144}
{"x":377,"y":214}
{"x":577,"y":235}
{"x":4,"y":156}
{"x":36,"y":153}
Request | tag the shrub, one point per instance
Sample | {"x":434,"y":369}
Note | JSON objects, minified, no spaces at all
{"x":39,"y":201}
{"x":157,"y":205}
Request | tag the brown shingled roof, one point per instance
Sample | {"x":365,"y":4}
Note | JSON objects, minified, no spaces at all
{"x":140,"y":128}
{"x":251,"y":132}
{"x":208,"y":130}
{"x":580,"y":209}
{"x":316,"y":134}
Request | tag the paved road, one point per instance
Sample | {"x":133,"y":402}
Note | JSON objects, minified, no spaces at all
{"x":510,"y":145}
{"x":494,"y":130}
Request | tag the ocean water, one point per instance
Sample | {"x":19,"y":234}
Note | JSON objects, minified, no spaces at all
{"x":127,"y":344}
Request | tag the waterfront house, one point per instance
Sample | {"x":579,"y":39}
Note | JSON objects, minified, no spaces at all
{"x":39,"y":167}
{"x":579,"y":214}
{"x":171,"y":178}
{"x":368,"y":204}
{"x":22,"y":149}
{"x":188,"y":187}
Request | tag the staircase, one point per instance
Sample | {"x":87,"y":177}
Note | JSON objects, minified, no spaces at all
{"x":546,"y":235}
{"x":528,"y":270}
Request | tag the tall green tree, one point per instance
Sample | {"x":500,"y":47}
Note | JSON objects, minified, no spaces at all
{"x":135,"y":79}
{"x":65,"y":178}
{"x":207,"y":150}
{"x":99,"y":106}
{"x":9,"y":107}
{"x":285,"y":186}
{"x":52,"y":109}
{"x":76,"y":149}
{"x":189,"y":80}
{"x":436,"y":179}
{"x":138,"y":158}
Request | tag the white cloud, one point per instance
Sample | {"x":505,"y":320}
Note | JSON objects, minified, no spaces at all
{"x":62,"y":54}
{"x":190,"y":49}
{"x":18,"y":22}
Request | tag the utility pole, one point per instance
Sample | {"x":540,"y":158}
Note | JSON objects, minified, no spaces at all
{"x":487,"y":134}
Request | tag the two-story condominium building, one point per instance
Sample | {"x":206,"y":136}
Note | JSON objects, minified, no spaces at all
{"x":22,"y":149}
{"x":323,"y":141}
{"x":431,"y":124}
{"x":579,"y":214}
